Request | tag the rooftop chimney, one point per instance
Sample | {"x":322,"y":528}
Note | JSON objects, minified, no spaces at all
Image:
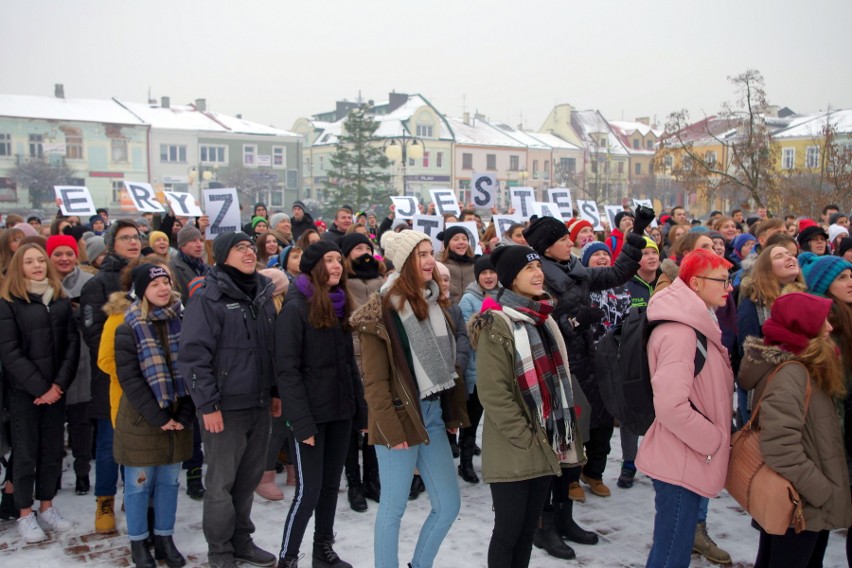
{"x":240,"y":115}
{"x":165,"y":102}
{"x":396,"y":100}
{"x":201,"y":105}
{"x":59,"y":91}
{"x":644,"y":120}
{"x":467,"y":118}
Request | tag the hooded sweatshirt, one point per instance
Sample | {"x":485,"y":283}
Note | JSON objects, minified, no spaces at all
{"x":689,"y":442}
{"x":470,"y":305}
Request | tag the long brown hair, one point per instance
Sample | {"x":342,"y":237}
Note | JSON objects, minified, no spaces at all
{"x":761,"y":285}
{"x":6,"y":254}
{"x":840,"y":318}
{"x":823,"y":365}
{"x":408,"y":287}
{"x":262,"y":255}
{"x":320,"y":310}
{"x":15,"y":283}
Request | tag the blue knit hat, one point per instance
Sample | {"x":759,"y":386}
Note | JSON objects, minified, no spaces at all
{"x":591,"y":248}
{"x":740,"y":240}
{"x":821,"y":271}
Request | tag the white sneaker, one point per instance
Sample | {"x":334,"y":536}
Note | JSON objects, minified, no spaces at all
{"x":30,"y":530}
{"x":51,"y":520}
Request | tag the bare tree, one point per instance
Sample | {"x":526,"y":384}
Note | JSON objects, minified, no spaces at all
{"x":39,"y":176}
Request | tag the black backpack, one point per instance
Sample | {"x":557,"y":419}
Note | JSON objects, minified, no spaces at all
{"x":623,"y":374}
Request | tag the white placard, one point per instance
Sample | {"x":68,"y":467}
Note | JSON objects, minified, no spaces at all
{"x":223,"y":207}
{"x":264,"y":160}
{"x":503,"y":222}
{"x":589,"y":211}
{"x":646,"y":203}
{"x":445,"y":201}
{"x":75,"y":200}
{"x":183,"y":204}
{"x":547,"y":209}
{"x":523,"y":201}
{"x":472,"y":234}
{"x":143,"y":197}
{"x":483,"y":190}
{"x":561,"y":196}
{"x":431,"y":225}
{"x":405,"y":207}
{"x":611,"y":212}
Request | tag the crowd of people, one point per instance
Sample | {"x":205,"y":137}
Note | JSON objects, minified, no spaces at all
{"x":145,"y":348}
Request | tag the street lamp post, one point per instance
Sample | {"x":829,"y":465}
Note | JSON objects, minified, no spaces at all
{"x":403,"y":148}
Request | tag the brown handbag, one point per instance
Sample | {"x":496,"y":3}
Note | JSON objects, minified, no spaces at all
{"x":768,"y":497}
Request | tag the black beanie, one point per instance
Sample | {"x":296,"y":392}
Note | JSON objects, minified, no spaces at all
{"x":542,"y":233}
{"x":510,"y":260}
{"x":483,"y":263}
{"x":146,"y":273}
{"x":447,"y":235}
{"x":314,"y":253}
{"x":223,"y":244}
{"x":845,"y":244}
{"x":349,"y":242}
{"x":809,"y":233}
{"x":619,"y":216}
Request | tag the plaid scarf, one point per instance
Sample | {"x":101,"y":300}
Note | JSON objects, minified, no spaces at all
{"x":195,"y":264}
{"x":542,"y":375}
{"x":162,"y":375}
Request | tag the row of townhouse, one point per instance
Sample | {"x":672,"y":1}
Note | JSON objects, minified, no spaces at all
{"x":604,"y":160}
{"x":173,"y":147}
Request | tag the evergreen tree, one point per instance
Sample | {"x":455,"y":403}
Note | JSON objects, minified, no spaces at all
{"x":356,"y":175}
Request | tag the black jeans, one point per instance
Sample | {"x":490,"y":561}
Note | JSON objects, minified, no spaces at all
{"x":467,"y":436}
{"x":597,"y":450}
{"x":235,"y":460}
{"x":791,"y":550}
{"x":197,"y":459}
{"x":318,"y":470}
{"x":358,"y":444}
{"x":38,"y":433}
{"x":81,"y":435}
{"x":517,"y":508}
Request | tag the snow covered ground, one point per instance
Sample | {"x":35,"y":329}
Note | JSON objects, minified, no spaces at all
{"x":624,"y":522}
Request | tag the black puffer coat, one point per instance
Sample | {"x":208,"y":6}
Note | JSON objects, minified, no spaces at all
{"x":316,"y":371}
{"x":93,"y":298}
{"x":39,"y":345}
{"x":570,"y":284}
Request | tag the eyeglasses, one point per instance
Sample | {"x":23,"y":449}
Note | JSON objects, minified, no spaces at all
{"x":244,"y":249}
{"x":725,"y":281}
{"x":128,"y":238}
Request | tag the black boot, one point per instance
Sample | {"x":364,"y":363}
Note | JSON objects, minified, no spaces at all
{"x":357,"y":501}
{"x":164,"y":549}
{"x":82,"y":486}
{"x":194,"y":487}
{"x":372,"y":486}
{"x":466,"y":463}
{"x":150,"y":540}
{"x":547,"y":538}
{"x":324,"y":555}
{"x":568,"y":528}
{"x":288,"y":562}
{"x":417,"y":488}
{"x":140,"y":555}
{"x":8,"y":511}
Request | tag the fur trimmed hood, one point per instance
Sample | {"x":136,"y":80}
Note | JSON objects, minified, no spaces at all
{"x":670,"y":268}
{"x":477,"y":324}
{"x":758,"y":361}
{"x":117,"y":303}
{"x":370,"y":314}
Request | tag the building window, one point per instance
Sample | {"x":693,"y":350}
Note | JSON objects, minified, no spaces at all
{"x":425,"y":159}
{"x":649,"y":144}
{"x":117,"y":190}
{"x":547,"y":169}
{"x":213,"y":154}
{"x":535,"y":169}
{"x":249,"y":155}
{"x":411,"y":162}
{"x":74,"y":146}
{"x":467,"y":161}
{"x":710,"y":158}
{"x":621,"y":167}
{"x":118,"y":149}
{"x":5,"y":144}
{"x":172,"y":153}
{"x":292,"y":179}
{"x":491,"y":162}
{"x":277,"y":198}
{"x":668,"y":162}
{"x":439,"y":160}
{"x":424,"y":130}
{"x":812,"y":157}
{"x":36,"y":146}
{"x":514,"y":163}
{"x":638,"y":169}
{"x":568,"y":165}
{"x":788,"y":158}
{"x":594,"y":166}
{"x":635,"y":143}
{"x":279,"y":157}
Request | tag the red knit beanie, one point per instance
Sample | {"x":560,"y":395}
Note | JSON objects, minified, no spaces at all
{"x":795,"y":319}
{"x":575,"y":226}
{"x":62,"y":241}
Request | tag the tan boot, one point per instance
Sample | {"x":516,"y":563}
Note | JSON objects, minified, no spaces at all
{"x":705,"y":546}
{"x":105,"y":515}
{"x":267,"y":488}
{"x":576,"y":493}
{"x":596,"y":486}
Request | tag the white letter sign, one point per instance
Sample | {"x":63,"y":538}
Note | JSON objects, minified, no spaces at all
{"x":561,"y":196}
{"x":143,"y":197}
{"x":431,"y":225}
{"x":611,"y":212}
{"x":223,"y":208}
{"x":472,"y":234}
{"x":445,"y":201}
{"x":405,"y":207}
{"x":183,"y":204}
{"x":589,"y":212}
{"x":547,"y":209}
{"x":646,"y":203}
{"x":483,"y":189}
{"x":503,"y":222}
{"x":75,"y":200}
{"x":523,"y":199}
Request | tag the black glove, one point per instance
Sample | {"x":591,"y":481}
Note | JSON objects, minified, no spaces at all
{"x":586,"y":317}
{"x":642,"y":218}
{"x":635,"y":240}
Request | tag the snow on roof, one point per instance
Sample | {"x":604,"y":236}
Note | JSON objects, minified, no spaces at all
{"x":812,"y":125}
{"x":51,"y":108}
{"x":242,"y":126}
{"x":523,"y":137}
{"x":589,"y":122}
{"x":629,"y":127}
{"x":481,"y":133}
{"x":553,"y":141}
{"x":176,"y":117}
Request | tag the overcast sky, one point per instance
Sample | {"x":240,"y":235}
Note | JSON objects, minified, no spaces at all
{"x":512,"y":60}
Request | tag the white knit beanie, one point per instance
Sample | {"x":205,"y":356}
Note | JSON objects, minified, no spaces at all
{"x":835,"y":231}
{"x":398,"y":246}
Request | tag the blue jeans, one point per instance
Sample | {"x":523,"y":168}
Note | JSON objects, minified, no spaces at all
{"x":434,"y":461}
{"x":160,"y":484}
{"x":702,"y":509}
{"x":674,"y":525}
{"x":106,"y":470}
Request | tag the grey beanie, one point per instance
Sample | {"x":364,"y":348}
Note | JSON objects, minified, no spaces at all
{"x":187,"y":234}
{"x":223,"y":244}
{"x":277,"y":218}
{"x":95,"y":247}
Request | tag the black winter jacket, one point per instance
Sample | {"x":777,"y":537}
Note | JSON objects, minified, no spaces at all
{"x":93,"y":297}
{"x":570,"y":284}
{"x":299,"y":227}
{"x":227,"y":344}
{"x":39,"y":345}
{"x":184,"y":274}
{"x":316,"y":371}
{"x":333,"y":235}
